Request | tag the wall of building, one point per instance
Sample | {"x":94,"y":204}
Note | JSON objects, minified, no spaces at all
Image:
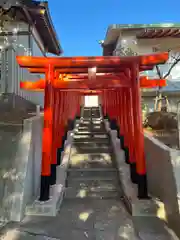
{"x":20,"y":46}
{"x":129,"y":41}
{"x":147,"y":46}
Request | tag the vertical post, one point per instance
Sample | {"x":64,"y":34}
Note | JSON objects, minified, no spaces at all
{"x":178,"y":118}
{"x":101,"y":106}
{"x":79,"y":105}
{"x":101,"y":95}
{"x":105,"y":103}
{"x":125,"y":125}
{"x":138,"y":134}
{"x":121,"y":111}
{"x":115,"y":111}
{"x":118,"y":109}
{"x":64,"y":117}
{"x":60,"y":130}
{"x":10,"y":61}
{"x":54,"y":141}
{"x":47,"y":136}
{"x":69,"y":110}
{"x":132,"y":162}
{"x":38,"y":110}
{"x":109,"y":101}
{"x":82,"y":106}
{"x":112,"y":106}
{"x":74,"y":111}
{"x":122,"y":133}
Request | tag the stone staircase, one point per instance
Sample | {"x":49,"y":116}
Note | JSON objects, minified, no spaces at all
{"x":92,"y":207}
{"x":92,"y":172}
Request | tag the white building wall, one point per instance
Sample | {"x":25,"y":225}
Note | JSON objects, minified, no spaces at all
{"x":36,"y":97}
{"x":127,"y":43}
{"x":20,"y":45}
{"x":24,"y":75}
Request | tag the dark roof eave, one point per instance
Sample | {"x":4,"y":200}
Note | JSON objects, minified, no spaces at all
{"x":54,"y":46}
{"x":51,"y":29}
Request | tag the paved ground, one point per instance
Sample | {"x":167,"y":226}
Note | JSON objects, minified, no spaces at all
{"x":87,"y":219}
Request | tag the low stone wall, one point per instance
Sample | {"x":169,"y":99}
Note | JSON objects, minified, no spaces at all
{"x":163,"y":173}
{"x":170,"y":138}
{"x":20,"y":165}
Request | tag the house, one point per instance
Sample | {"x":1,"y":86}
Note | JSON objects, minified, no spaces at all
{"x":139,"y":39}
{"x":26,"y":28}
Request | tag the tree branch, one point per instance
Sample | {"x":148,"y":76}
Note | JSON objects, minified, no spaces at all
{"x":158,"y":71}
{"x":172,"y":66}
{"x":174,"y":57}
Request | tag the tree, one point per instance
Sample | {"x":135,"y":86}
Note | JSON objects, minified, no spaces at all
{"x":174,"y":59}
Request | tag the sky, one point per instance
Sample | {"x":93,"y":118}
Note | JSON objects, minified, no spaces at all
{"x":80,"y":24}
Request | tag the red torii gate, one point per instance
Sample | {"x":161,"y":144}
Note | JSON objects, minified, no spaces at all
{"x":39,"y":85}
{"x":116,"y":80}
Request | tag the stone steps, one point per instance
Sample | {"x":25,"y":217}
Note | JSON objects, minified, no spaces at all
{"x":92,"y":178}
{"x":93,"y":173}
{"x":87,"y":192}
{"x":79,"y":139}
{"x":96,"y":185}
{"x":101,"y":184}
{"x":90,"y":129}
{"x":91,"y":144}
{"x":85,"y":122}
{"x":95,"y":150}
{"x":90,"y":165}
{"x":90,"y":134}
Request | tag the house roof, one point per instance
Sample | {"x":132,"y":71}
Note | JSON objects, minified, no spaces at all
{"x":141,"y":31}
{"x":36,"y":13}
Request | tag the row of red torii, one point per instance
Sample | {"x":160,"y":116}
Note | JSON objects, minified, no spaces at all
{"x":116,"y":80}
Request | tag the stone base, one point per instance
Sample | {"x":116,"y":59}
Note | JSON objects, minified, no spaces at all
{"x":52,"y":206}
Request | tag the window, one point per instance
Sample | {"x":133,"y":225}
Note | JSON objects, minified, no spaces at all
{"x":155,"y":49}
